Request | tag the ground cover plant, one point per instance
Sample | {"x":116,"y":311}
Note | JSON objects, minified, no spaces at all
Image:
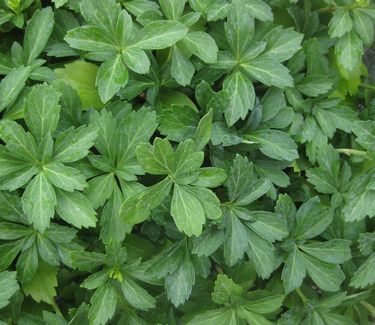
{"x":187,"y":162}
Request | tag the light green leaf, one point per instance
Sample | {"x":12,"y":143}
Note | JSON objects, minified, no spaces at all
{"x":100,"y":13}
{"x":37,"y":33}
{"x":326,"y":276}
{"x":103,"y":304}
{"x":12,"y":85}
{"x":225,"y":290}
{"x":42,"y":285}
{"x":261,"y":254}
{"x":181,"y":67}
{"x":341,"y":23}
{"x":42,"y":110}
{"x":39,"y":200}
{"x":100,"y":189}
{"x":160,"y":34}
{"x":294,"y":270}
{"x":254,"y":318}
{"x":8,"y":287}
{"x":334,"y":251}
{"x":138,"y":297}
{"x":222,"y":316}
{"x":275,"y":144}
{"x":64,"y":177}
{"x":27,"y":264}
{"x":268,"y":225}
{"x":259,"y":9}
{"x":268,"y":71}
{"x":172,"y":9}
{"x":365,"y":274}
{"x":187,"y":211}
{"x":75,"y":209}
{"x":349,"y":51}
{"x":136,"y":60}
{"x":21,"y":144}
{"x":242,"y":97}
{"x":180,"y":283}
{"x":282,"y":44}
{"x":74,"y":144}
{"x":312,"y":219}
{"x":363,"y":26}
{"x":202,"y":45}
{"x":91,"y":39}
{"x":112,"y":76}
{"x":202,"y":134}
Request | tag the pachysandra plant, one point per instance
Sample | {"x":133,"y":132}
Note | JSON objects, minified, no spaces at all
{"x":187,"y":162}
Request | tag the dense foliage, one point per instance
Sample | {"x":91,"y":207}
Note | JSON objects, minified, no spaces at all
{"x":187,"y":162}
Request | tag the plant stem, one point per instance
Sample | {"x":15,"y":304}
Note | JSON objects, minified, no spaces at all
{"x":56,"y":308}
{"x":301,"y":295}
{"x":369,"y":307}
{"x":326,"y":10}
{"x":248,"y":142}
{"x":353,"y":152}
{"x":366,"y":86}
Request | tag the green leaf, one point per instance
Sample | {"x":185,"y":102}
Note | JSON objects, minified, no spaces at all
{"x":37,"y":33}
{"x":8,"y":287}
{"x":137,"y":296}
{"x":112,"y":76}
{"x":259,"y":9}
{"x":74,"y":144}
{"x":275,"y":144}
{"x":74,"y":208}
{"x":222,"y":316}
{"x":254,"y":318}
{"x":363,"y":26}
{"x":187,"y":211}
{"x":66,"y":178}
{"x":101,"y":13}
{"x":91,"y":39}
{"x":99,"y":189}
{"x":261,"y":254}
{"x":42,"y":110}
{"x":81,"y":76}
{"x":21,"y":144}
{"x":27,"y":264}
{"x":312,"y":219}
{"x":364,"y":276}
{"x":202,"y":45}
{"x":156,"y":159}
{"x":136,"y":60}
{"x":282,"y":44}
{"x":181,"y":68}
{"x":294,"y":270}
{"x":12,"y":85}
{"x":335,"y":251}
{"x":349,"y":51}
{"x":326,"y":276}
{"x":365,"y":132}
{"x":42,"y":286}
{"x":268,"y":225}
{"x":268,"y":71}
{"x":262,"y":302}
{"x":178,"y":123}
{"x":360,"y":202}
{"x":225,"y":290}
{"x":160,"y":34}
{"x":172,"y":9}
{"x":39,"y":200}
{"x":341,"y":23}
{"x":202,"y":134}
{"x":180,"y":283}
{"x":103,"y":304}
{"x":242,"y":97}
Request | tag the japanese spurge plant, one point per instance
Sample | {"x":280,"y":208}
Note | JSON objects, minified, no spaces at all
{"x":187,"y":162}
